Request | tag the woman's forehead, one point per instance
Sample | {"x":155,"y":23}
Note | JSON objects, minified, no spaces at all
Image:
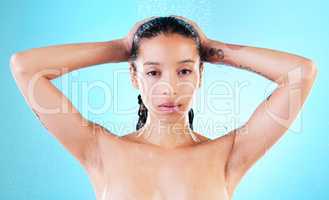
{"x":167,"y":48}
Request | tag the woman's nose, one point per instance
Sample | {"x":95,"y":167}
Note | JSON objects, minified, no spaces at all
{"x":169,"y":86}
{"x":169,"y":91}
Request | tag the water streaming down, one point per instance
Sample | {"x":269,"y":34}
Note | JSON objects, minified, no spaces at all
{"x":198,"y":10}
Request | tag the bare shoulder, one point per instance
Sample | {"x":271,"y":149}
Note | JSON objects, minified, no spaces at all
{"x":225,"y":139}
{"x":104,"y":134}
{"x":222,"y":145}
{"x":201,"y":137}
{"x":131,"y":137}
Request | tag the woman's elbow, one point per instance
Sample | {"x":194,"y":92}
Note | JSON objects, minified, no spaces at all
{"x":310,"y":69}
{"x":17,"y":62}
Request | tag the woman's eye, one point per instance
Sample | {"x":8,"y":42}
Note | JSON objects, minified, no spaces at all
{"x":182,"y":72}
{"x":186,"y":71}
{"x":152,"y":73}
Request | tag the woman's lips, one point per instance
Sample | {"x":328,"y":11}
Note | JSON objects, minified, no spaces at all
{"x":169,"y":104}
{"x":169,"y":107}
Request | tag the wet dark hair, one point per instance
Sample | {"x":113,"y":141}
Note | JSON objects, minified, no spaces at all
{"x":152,"y":28}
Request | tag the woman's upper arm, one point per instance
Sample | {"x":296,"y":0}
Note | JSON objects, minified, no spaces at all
{"x":57,"y":114}
{"x":268,"y":123}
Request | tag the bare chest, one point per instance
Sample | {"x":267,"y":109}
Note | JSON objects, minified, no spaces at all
{"x":136,"y":172}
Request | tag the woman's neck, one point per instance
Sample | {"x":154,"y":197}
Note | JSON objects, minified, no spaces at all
{"x":167,"y":133}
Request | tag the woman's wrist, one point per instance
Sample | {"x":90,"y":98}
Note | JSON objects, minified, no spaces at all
{"x":213,"y":51}
{"x":218,"y":52}
{"x":116,"y":51}
{"x":125,"y":47}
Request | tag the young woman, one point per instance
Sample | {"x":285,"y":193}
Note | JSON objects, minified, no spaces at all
{"x":164,"y":158}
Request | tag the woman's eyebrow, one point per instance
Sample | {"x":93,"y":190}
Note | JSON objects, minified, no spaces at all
{"x":151,"y":63}
{"x":179,"y":62}
{"x":186,"y":61}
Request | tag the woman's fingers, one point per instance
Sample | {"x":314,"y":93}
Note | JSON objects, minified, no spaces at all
{"x":129,"y":38}
{"x":138,"y":24}
{"x":202,"y":36}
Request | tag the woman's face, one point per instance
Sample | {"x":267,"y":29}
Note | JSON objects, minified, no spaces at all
{"x":168,"y":71}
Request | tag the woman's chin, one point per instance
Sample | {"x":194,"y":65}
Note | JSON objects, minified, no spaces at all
{"x":170,"y":115}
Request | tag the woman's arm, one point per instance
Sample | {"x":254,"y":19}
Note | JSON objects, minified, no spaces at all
{"x":68,"y":57}
{"x":33,"y":69}
{"x":294,"y":75}
{"x":271,"y":64}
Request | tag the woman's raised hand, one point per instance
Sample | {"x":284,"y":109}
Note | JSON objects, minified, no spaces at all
{"x":128,"y":39}
{"x":203,"y":37}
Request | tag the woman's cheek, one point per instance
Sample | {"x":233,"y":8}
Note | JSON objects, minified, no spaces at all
{"x":151,"y":90}
{"x":189,"y":85}
{"x":150,"y":86}
{"x":145,"y":83}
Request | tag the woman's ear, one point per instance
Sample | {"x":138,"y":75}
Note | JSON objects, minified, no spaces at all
{"x":201,"y":69}
{"x":133,"y":75}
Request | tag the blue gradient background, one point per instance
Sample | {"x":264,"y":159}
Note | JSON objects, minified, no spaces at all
{"x":33,"y":165}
